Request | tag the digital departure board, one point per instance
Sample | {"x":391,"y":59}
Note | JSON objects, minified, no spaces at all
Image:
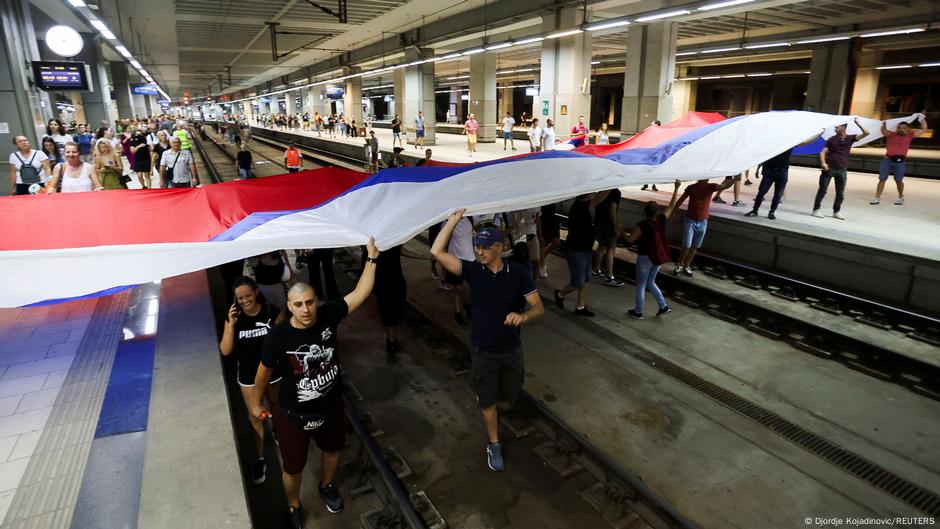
{"x":60,"y":75}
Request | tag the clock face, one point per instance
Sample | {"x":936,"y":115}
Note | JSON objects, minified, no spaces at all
{"x":64,"y":41}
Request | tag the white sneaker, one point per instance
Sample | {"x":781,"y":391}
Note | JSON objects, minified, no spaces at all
{"x":875,"y":201}
{"x":899,"y":202}
{"x":838,"y":215}
{"x":816,"y":213}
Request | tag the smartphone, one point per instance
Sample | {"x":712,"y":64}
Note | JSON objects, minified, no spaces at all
{"x":238,"y":308}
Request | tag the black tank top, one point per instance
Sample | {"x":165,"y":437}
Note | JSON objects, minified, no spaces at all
{"x":266,"y":274}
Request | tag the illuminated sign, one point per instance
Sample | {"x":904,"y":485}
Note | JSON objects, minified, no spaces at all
{"x":145,"y":89}
{"x":60,"y":75}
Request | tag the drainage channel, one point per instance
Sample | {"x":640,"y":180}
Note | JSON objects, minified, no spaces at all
{"x":868,"y":471}
{"x":616,"y":495}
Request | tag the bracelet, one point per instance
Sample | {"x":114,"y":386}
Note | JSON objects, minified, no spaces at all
{"x":372,"y":259}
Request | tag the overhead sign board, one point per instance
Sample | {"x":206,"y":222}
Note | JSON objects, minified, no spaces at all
{"x":60,"y":75}
{"x":163,"y":101}
{"x":145,"y":89}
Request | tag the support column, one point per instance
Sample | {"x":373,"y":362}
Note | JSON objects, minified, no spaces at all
{"x":352,"y":99}
{"x":650,"y":68}
{"x":565,"y":81}
{"x":20,"y":107}
{"x":455,"y":101}
{"x":505,"y":103}
{"x":140,"y":105}
{"x":419,"y":97}
{"x":684,"y":94}
{"x":867,"y":78}
{"x":97,"y":102}
{"x":483,"y":95}
{"x":827,"y":87}
{"x":398,"y":92}
{"x":122,"y":90}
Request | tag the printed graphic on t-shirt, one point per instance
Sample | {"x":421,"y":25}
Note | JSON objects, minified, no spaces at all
{"x":314,"y":369}
{"x":261,"y":329}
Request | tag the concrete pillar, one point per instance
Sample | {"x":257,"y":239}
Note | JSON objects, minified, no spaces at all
{"x":120,"y":77}
{"x":20,"y":107}
{"x":865,"y":94}
{"x":97,"y":102}
{"x":457,"y":103}
{"x":140,"y":105}
{"x":418,"y":92}
{"x":827,"y":87}
{"x":684,"y":94}
{"x":398,"y":93}
{"x":650,"y":68}
{"x":483,"y":95}
{"x":505,"y":103}
{"x":565,"y":81}
{"x":352,"y":100}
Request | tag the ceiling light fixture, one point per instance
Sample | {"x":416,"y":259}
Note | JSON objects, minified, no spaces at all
{"x":135,"y":64}
{"x":450,"y":56}
{"x":720,"y":50}
{"x":99,"y":25}
{"x":608,"y":25}
{"x":108,"y":35}
{"x":77,"y":3}
{"x":473,"y":51}
{"x":667,"y":14}
{"x":528,"y":41}
{"x":824,"y":39}
{"x":766,"y":45}
{"x":123,"y":51}
{"x":727,"y":3}
{"x":560,"y":34}
{"x":498,"y":46}
{"x":898,"y":67}
{"x":684,"y":53}
{"x":759,"y":74}
{"x":929,"y":64}
{"x":892,"y":32}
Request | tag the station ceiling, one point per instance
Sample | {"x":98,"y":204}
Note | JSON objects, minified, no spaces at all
{"x":212,"y":47}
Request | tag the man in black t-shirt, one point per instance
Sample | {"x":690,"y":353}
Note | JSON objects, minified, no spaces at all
{"x":302,"y":351}
{"x":500,"y":290}
{"x":578,"y":246}
{"x":775,"y":171}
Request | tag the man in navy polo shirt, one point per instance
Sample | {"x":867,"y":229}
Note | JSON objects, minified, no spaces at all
{"x":501,"y":292}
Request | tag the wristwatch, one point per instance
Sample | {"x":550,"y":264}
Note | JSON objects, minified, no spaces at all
{"x":372,"y":259}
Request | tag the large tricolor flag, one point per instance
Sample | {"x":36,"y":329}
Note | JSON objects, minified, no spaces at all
{"x":61,"y":246}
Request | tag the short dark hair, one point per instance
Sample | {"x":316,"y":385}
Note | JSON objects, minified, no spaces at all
{"x":904,"y":123}
{"x":244,"y":281}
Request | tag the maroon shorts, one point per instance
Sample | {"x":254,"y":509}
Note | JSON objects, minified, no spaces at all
{"x":294,"y":441}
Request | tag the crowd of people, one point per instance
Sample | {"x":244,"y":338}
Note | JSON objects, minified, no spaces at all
{"x":79,"y":157}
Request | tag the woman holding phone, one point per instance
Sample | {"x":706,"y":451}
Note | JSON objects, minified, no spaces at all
{"x":249,"y":320}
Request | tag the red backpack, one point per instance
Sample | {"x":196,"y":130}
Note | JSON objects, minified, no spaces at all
{"x":659,"y":247}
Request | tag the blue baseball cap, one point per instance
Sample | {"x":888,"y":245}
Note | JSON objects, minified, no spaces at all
{"x":487,"y":237}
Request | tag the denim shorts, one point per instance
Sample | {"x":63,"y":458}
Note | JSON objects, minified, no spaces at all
{"x":889,"y":166}
{"x":507,"y":135}
{"x":579,"y":265}
{"x":693,"y":232}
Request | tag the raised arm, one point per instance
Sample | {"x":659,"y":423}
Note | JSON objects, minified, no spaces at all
{"x":864,"y":133}
{"x":816,"y":137}
{"x":449,"y":261}
{"x":923,"y":126}
{"x":884,"y":129}
{"x":674,"y":201}
{"x":357,"y":297}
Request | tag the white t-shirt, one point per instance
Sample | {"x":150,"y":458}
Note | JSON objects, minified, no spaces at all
{"x":508,"y":122}
{"x":548,"y":133}
{"x":60,"y":141}
{"x":535,"y":135}
{"x":37,"y":163}
{"x":461,"y":241}
{"x":152,"y":139}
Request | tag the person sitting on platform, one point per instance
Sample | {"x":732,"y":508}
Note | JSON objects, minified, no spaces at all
{"x":303,"y":351}
{"x":899,"y":143}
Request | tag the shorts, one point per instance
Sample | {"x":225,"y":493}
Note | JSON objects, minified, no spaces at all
{"x":391,"y":302}
{"x":693,"y":232}
{"x":579,"y":266}
{"x":472,"y":138}
{"x":497,"y":376}
{"x":507,"y":134}
{"x":452,"y":279}
{"x":889,"y":166}
{"x":535,"y":250}
{"x":606,"y":235}
{"x":246,"y":372}
{"x":293,"y":169}
{"x":293,"y":441}
{"x":419,"y":133}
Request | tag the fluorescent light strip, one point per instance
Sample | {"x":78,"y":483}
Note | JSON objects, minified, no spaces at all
{"x":734,"y":76}
{"x":759,"y":74}
{"x":77,"y":3}
{"x":135,"y":64}
{"x":898,"y":67}
{"x":99,"y":25}
{"x":108,"y":35}
{"x":929,"y":64}
{"x":595,"y":62}
{"x":473,"y":51}
{"x":123,"y":51}
{"x":608,"y":25}
{"x":767,"y":45}
{"x":667,"y":14}
{"x":450,"y":56}
{"x":563,"y":34}
{"x":684,"y":53}
{"x":727,"y":3}
{"x":687,"y":79}
{"x":710,"y":77}
{"x":528,"y":41}
{"x":719,"y":50}
{"x":892,"y":32}
{"x":824,"y":39}
{"x":498,"y":46}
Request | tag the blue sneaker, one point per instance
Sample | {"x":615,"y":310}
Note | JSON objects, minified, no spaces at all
{"x":494,"y":457}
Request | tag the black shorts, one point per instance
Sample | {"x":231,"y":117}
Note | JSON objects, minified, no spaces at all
{"x":606,"y":235}
{"x":550,"y":228}
{"x":497,"y":376}
{"x":293,"y":441}
{"x":247,"y":371}
{"x":391,"y":301}
{"x":452,"y":279}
